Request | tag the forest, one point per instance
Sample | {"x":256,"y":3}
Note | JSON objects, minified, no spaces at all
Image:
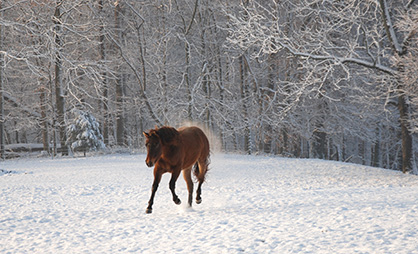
{"x":327,"y":79}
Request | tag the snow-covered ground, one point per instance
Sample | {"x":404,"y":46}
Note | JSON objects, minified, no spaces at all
{"x":251,"y":204}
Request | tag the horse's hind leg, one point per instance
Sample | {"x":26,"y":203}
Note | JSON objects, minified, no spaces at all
{"x":187,"y":174}
{"x":198,"y":193}
{"x":201,"y":178}
{"x":174,"y":177}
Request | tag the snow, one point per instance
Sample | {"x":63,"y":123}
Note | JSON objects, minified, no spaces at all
{"x":251,"y":204}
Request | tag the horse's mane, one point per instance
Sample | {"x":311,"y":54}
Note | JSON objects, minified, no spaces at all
{"x":166,"y":134}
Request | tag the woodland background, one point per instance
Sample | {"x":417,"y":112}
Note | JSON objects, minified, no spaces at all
{"x":329,"y":79}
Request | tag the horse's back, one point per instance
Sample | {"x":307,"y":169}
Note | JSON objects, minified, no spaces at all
{"x":194,"y":142}
{"x":194,"y":135}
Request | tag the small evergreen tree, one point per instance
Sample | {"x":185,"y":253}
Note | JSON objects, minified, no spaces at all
{"x":84,"y":132}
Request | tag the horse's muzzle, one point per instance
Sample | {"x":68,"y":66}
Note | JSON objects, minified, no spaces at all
{"x":149,"y":163}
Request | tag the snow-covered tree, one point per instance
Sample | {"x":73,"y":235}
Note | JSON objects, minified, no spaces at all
{"x":344,"y":52}
{"x":84,"y":132}
{"x":304,"y":78}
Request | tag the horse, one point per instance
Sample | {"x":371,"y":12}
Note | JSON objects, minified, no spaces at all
{"x":173,"y":151}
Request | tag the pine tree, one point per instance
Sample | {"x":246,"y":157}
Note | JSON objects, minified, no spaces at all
{"x":84,"y":133}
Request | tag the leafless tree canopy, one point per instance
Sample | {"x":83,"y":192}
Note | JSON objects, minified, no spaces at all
{"x":315,"y":79}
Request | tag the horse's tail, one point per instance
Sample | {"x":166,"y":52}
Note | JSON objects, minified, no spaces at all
{"x":201,"y":168}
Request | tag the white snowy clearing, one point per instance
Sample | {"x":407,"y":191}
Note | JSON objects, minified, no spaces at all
{"x":251,"y":204}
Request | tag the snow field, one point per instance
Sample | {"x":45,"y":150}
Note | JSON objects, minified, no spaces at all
{"x":251,"y":204}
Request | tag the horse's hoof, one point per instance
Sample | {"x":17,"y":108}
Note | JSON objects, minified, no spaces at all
{"x":148,"y":211}
{"x":177,"y":202}
{"x":198,"y":201}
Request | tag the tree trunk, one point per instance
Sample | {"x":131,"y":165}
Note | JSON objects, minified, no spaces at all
{"x":400,"y":50}
{"x":244,"y":98}
{"x":406,"y":135}
{"x":319,"y":144}
{"x":44,"y":121}
{"x":187,"y":80}
{"x":266,"y":100}
{"x":104,"y":100}
{"x":377,"y":151}
{"x":120,"y":128}
{"x":59,"y":97}
{"x":243,"y":68}
{"x":1,"y":89}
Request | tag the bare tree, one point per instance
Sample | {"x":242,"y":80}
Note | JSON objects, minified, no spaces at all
{"x":332,"y":42}
{"x":1,"y":87}
{"x":59,"y":94}
{"x":120,"y":80}
{"x":301,"y":78}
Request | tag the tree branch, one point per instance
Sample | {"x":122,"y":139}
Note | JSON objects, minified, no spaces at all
{"x":387,"y":22}
{"x":192,"y":19}
{"x":361,"y":62}
{"x":409,"y":4}
{"x":16,"y":104}
{"x":138,"y":78}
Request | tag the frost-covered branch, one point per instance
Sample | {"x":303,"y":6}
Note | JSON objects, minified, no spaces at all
{"x":338,"y":59}
{"x":14,"y":102}
{"x":387,"y":22}
{"x":143,"y":92}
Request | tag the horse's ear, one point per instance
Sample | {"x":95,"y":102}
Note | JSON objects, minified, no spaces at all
{"x":145,"y":134}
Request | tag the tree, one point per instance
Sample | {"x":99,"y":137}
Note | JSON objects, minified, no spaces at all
{"x":120,"y":80}
{"x":333,"y":43}
{"x":59,"y":94}
{"x":2,"y":150}
{"x":84,"y":133}
{"x":2,"y":67}
{"x":102,"y":54}
{"x":405,"y":60}
{"x":304,"y":78}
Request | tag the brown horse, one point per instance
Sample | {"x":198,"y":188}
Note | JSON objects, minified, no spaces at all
{"x":172,"y":151}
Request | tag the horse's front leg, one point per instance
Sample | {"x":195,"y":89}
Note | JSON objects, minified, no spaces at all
{"x":157,"y":179}
{"x":174,"y":177}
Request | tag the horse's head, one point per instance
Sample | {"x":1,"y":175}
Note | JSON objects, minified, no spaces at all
{"x":154,"y":147}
